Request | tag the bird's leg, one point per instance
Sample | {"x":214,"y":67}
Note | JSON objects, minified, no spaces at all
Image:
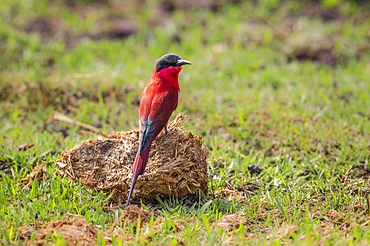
{"x":165,"y":130}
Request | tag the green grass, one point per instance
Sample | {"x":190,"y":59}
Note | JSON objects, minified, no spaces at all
{"x":277,"y":84}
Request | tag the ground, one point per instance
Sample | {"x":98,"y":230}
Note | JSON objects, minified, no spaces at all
{"x":278,"y":90}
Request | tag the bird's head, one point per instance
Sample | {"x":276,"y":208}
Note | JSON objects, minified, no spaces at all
{"x":170,"y":64}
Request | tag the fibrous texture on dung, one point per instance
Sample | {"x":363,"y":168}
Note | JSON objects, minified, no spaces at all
{"x":177,"y":164}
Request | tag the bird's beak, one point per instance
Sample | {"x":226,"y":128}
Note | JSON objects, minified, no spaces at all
{"x":182,"y":62}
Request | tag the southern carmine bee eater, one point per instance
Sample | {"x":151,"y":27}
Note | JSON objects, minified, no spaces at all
{"x":158,"y":101}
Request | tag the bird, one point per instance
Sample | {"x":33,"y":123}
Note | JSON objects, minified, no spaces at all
{"x":158,"y":100}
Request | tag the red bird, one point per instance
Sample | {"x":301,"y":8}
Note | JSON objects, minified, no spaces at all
{"x":158,"y":101}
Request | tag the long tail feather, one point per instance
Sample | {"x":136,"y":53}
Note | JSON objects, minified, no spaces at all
{"x":134,"y":179}
{"x":138,"y":168}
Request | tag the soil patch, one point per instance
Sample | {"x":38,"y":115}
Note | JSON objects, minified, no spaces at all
{"x":74,"y":230}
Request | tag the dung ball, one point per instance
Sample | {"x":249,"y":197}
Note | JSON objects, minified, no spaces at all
{"x":177,"y":164}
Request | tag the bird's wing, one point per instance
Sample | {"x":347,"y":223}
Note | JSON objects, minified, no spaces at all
{"x":155,"y":112}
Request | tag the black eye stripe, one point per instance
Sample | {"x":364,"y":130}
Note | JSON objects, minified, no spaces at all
{"x":166,"y":61}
